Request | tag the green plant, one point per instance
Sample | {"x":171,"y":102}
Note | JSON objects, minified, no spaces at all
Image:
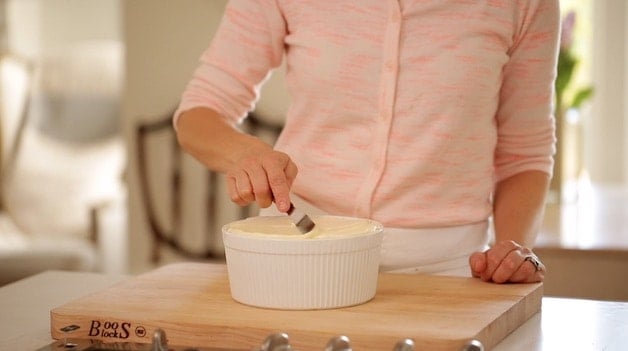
{"x":568,"y":97}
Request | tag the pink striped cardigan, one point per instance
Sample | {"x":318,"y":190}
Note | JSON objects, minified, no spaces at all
{"x":404,"y":111}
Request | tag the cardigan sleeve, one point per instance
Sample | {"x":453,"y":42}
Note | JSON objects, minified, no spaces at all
{"x":248,"y":44}
{"x":525,"y":120}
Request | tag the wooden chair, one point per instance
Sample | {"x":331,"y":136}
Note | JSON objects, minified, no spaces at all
{"x":171,"y":235}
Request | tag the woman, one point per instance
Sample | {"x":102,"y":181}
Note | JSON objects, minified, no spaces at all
{"x":431,"y":117}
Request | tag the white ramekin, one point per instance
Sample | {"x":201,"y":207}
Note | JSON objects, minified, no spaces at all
{"x":312,"y":273}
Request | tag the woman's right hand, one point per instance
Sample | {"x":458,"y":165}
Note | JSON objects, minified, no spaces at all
{"x":255,"y":172}
{"x":262,"y":175}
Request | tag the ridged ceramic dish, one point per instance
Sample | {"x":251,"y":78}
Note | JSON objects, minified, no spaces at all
{"x":271,"y":265}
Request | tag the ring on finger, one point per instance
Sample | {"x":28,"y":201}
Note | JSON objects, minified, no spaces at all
{"x":535,"y":262}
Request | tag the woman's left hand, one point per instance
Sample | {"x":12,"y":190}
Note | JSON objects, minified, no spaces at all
{"x":507,"y":262}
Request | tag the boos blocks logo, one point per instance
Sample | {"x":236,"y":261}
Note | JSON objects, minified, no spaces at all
{"x":115,"y":330}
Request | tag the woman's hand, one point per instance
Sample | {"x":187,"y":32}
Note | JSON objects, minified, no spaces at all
{"x":255,"y":172}
{"x":262,"y":175}
{"x":507,"y":262}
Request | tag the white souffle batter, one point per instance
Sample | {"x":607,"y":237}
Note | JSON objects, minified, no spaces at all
{"x":282,"y":226}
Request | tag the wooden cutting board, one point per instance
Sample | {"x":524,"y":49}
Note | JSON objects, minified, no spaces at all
{"x":192,"y":304}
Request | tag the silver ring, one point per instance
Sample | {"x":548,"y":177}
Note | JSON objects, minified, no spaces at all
{"x":535,"y":261}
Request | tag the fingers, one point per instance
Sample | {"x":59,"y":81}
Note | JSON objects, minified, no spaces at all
{"x":477,"y":262}
{"x":531,"y":270}
{"x":280,"y":181}
{"x":495,"y":256}
{"x":239,"y":188}
{"x":509,"y":267}
{"x":262,"y":178}
{"x":507,"y":262}
{"x":260,"y":189}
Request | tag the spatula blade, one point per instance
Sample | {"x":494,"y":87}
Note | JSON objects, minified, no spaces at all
{"x":303,"y":222}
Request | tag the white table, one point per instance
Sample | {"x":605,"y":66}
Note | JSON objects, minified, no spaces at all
{"x":563,"y":324}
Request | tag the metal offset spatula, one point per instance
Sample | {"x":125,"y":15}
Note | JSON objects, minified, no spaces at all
{"x":303,"y":222}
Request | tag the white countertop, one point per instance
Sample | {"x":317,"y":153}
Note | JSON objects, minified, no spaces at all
{"x":562,"y":324}
{"x":596,"y":220}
